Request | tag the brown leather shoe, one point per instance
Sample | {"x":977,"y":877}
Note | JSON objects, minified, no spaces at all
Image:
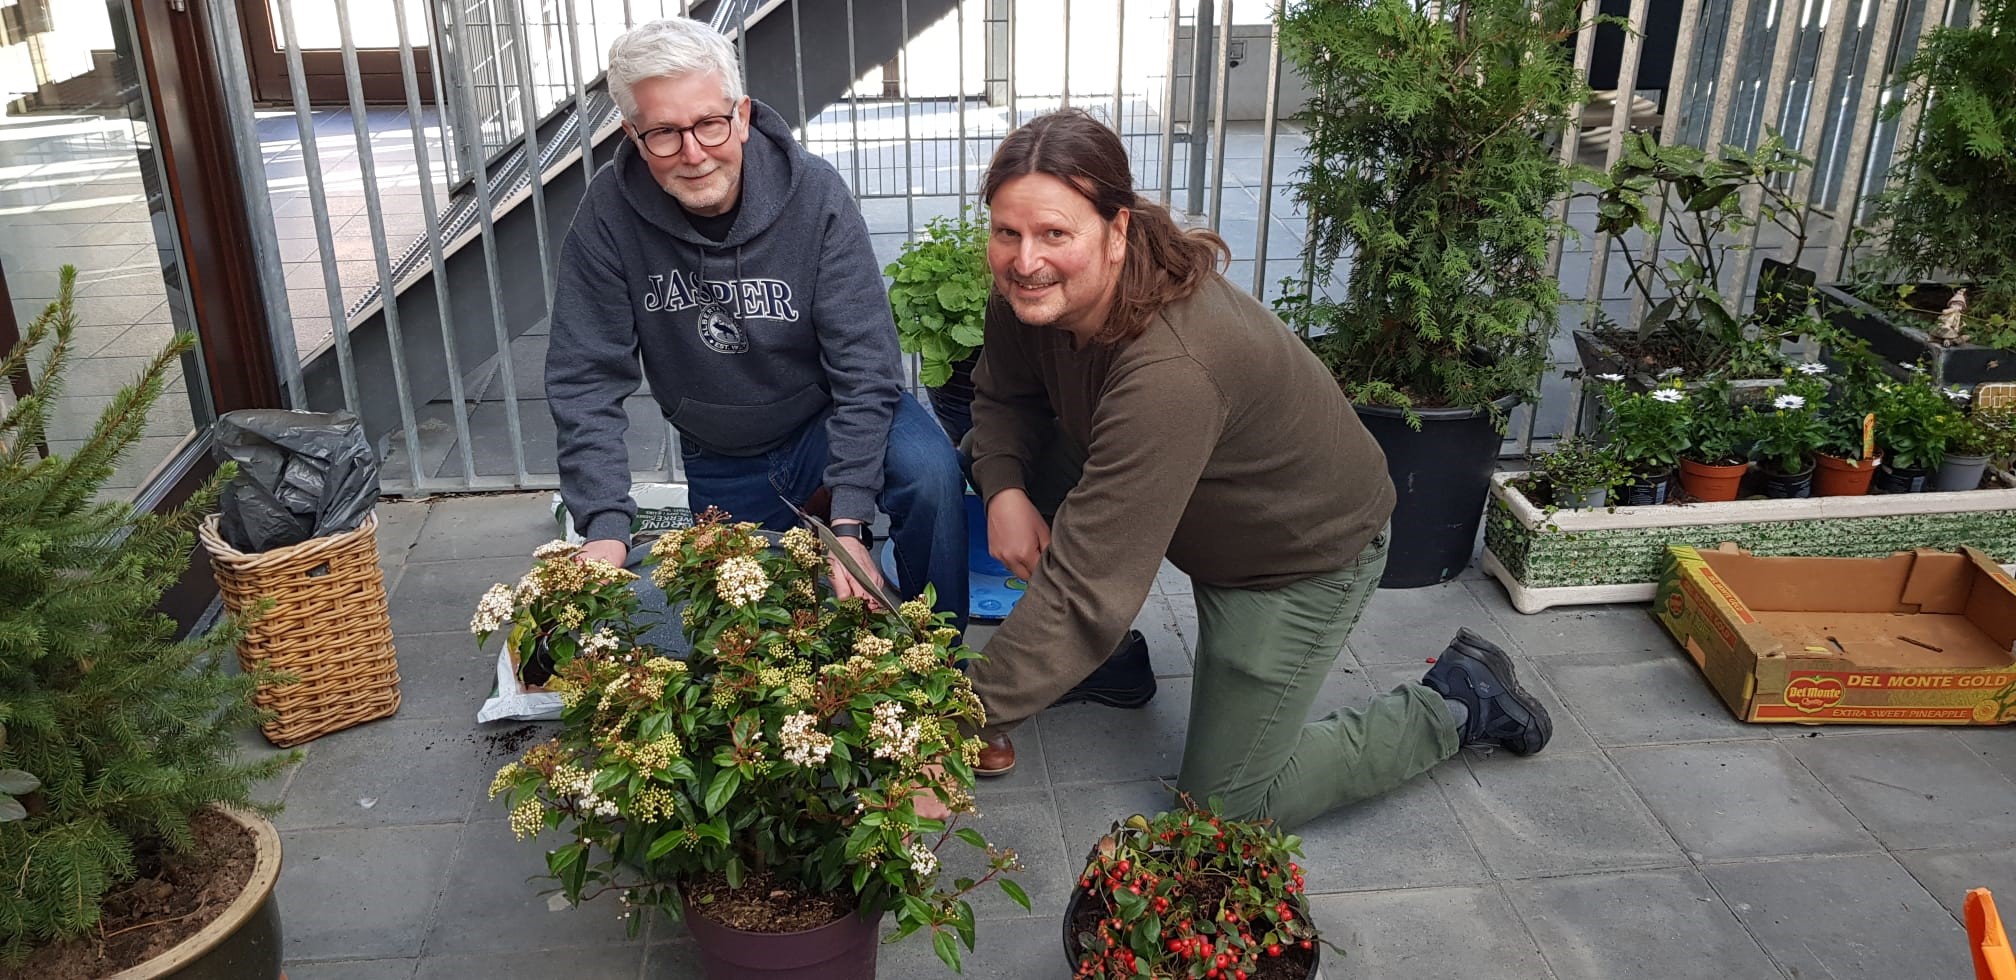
{"x":997,"y":757}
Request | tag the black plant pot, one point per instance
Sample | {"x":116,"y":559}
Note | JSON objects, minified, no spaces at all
{"x":1073,"y":950}
{"x":843,"y":949}
{"x":1914,"y":479}
{"x":1442,"y":475}
{"x":1894,"y":338}
{"x":952,"y":401}
{"x":1646,"y":489}
{"x":1789,"y":486}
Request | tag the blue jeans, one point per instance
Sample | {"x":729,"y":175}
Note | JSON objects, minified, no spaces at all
{"x":921,"y":492}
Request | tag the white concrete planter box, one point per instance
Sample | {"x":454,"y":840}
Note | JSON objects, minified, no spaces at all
{"x":1579,"y":557}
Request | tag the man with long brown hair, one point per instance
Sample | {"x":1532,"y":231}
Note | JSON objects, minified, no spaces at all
{"x":1181,"y":418}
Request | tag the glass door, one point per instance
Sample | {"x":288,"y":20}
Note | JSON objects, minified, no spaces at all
{"x":82,"y":184}
{"x":374,"y":32}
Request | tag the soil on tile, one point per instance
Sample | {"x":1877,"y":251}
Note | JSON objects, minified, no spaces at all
{"x":763,"y":905}
{"x":169,"y":899}
{"x":1294,"y":963}
{"x":510,"y":742}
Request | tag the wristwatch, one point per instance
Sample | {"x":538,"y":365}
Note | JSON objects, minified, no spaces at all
{"x":860,"y":531}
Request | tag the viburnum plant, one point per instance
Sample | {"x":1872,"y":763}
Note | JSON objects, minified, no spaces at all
{"x":562,"y":606}
{"x":1649,"y":428}
{"x":1187,"y":893}
{"x":783,"y":751}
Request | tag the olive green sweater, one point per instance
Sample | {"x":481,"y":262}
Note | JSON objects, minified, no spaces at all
{"x":1215,"y":438}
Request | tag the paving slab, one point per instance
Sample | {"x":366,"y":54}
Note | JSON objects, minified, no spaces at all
{"x":1089,"y":811}
{"x":362,"y":894}
{"x":1408,"y":626}
{"x":1031,"y":767}
{"x":1949,"y":873}
{"x":499,"y":526}
{"x":1025,"y":822}
{"x":1575,"y":629}
{"x":678,"y":960}
{"x":399,"y":526}
{"x":1994,"y":745}
{"x":440,"y":596}
{"x":1845,"y":918}
{"x":1915,"y":788}
{"x":1406,"y":839}
{"x":1029,"y":948}
{"x":1168,"y":651}
{"x":1385,"y":935}
{"x":578,"y":963}
{"x":399,"y":969}
{"x":443,"y":676}
{"x":498,"y":900}
{"x":1636,"y":697}
{"x":391,"y":772}
{"x":1553,"y":815}
{"x":1152,"y":735}
{"x":1666,"y":924}
{"x":1733,"y":800}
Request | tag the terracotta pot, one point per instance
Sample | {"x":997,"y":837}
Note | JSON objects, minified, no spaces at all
{"x":843,"y":949}
{"x":1706,"y":482}
{"x":244,"y":942}
{"x":1834,"y":476}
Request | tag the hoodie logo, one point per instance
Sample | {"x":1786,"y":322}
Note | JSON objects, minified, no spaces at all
{"x":739,"y":299}
{"x":720,"y":332}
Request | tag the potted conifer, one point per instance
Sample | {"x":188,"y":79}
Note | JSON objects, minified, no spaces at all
{"x":119,"y":778}
{"x":1433,"y":166}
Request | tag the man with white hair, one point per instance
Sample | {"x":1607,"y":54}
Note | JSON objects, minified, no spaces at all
{"x":720,"y":262}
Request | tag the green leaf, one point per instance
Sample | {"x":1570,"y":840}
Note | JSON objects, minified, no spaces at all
{"x":664,"y":844}
{"x":722,"y":790}
{"x":947,"y":949}
{"x":971,"y":836}
{"x":735,"y":872}
{"x":1015,"y":892}
{"x":15,"y":782}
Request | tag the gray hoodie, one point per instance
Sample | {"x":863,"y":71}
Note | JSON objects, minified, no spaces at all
{"x":806,"y":326}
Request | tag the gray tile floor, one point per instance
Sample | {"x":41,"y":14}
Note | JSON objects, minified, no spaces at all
{"x":1655,"y":837}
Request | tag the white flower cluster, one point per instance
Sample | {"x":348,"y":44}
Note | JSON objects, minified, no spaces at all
{"x":741,"y":582}
{"x":804,"y":744}
{"x":600,"y":641}
{"x":1671,"y":396}
{"x":574,"y":782}
{"x":1788,"y":402}
{"x":802,"y":546}
{"x":922,"y":860}
{"x":556,"y":549}
{"x":493,"y":610}
{"x":894,"y":740}
{"x":606,"y":809}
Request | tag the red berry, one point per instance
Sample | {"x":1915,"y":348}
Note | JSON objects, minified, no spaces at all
{"x":1238,"y":975}
{"x":1273,"y":949}
{"x":1306,"y":944}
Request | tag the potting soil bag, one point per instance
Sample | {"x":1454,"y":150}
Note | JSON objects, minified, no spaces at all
{"x":511,"y":700}
{"x":300,"y":475}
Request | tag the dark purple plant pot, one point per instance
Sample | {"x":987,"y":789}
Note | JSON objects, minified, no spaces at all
{"x":843,"y":949}
{"x":1072,"y":950}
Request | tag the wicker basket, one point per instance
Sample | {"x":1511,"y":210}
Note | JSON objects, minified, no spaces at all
{"x":329,"y":626}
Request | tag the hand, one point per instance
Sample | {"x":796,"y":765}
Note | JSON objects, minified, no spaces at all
{"x":925,"y":801}
{"x":844,"y":586}
{"x":1017,"y":535}
{"x":607,"y":549}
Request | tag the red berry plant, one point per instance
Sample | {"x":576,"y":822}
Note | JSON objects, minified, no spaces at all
{"x":1187,"y":893}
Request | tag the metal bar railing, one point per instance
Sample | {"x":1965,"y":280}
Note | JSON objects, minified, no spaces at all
{"x":1268,"y":133}
{"x":1221,"y":99}
{"x":1168,"y":148}
{"x":374,"y":214}
{"x":325,"y":239}
{"x":437,"y":262}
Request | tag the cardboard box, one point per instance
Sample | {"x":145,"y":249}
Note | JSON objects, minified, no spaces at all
{"x":1919,"y":638}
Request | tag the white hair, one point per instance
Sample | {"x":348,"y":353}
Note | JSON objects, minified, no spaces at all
{"x":670,"y":48}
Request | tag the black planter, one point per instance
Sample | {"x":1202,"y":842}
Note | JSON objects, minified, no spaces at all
{"x":1916,"y":479}
{"x":1789,"y":486}
{"x":1646,"y":490}
{"x":1072,"y":950}
{"x":1441,"y":475}
{"x":843,"y":949}
{"x":952,"y":401}
{"x":1900,"y":343}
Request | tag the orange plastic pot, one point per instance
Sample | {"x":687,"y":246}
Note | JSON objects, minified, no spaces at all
{"x":1837,"y":477}
{"x":1711,"y":483}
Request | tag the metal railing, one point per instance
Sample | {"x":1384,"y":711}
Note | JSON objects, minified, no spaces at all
{"x":421,"y":334}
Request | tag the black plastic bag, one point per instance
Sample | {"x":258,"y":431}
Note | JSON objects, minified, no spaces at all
{"x":300,"y":475}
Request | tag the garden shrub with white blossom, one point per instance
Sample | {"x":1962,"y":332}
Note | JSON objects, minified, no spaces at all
{"x":785,"y":747}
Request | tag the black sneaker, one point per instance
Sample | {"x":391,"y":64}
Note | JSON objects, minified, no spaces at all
{"x":1125,"y":680}
{"x":1479,"y":675}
